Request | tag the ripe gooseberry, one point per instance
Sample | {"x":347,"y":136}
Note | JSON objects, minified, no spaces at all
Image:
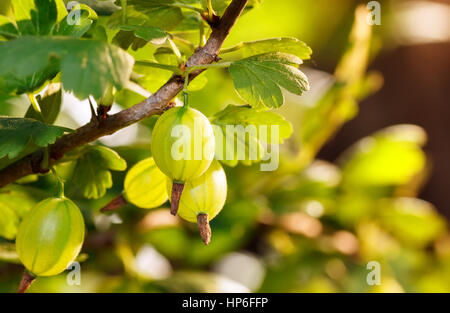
{"x":203,"y":198}
{"x":50,"y":236}
{"x":183,"y":147}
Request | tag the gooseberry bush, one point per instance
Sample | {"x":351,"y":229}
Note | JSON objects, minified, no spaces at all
{"x":148,"y":57}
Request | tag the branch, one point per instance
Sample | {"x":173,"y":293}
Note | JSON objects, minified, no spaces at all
{"x":154,"y":105}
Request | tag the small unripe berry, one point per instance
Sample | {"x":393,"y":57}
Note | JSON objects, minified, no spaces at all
{"x":145,"y":185}
{"x":183,"y":147}
{"x":50,"y":236}
{"x":203,"y":198}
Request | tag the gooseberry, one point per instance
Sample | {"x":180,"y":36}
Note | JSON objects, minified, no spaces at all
{"x":145,"y":185}
{"x":50,"y":236}
{"x":203,"y":198}
{"x":183,"y":147}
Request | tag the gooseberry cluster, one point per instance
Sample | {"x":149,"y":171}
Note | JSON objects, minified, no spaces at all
{"x":51,"y":235}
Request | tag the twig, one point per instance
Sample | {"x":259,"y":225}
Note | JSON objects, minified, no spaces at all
{"x":153,"y":105}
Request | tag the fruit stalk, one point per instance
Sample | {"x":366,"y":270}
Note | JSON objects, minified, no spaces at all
{"x":177,"y":190}
{"x":26,"y":281}
{"x":205,"y":229}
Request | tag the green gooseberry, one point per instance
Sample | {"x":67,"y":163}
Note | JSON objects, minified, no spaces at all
{"x":50,"y":236}
{"x":183,"y":147}
{"x":203,"y":198}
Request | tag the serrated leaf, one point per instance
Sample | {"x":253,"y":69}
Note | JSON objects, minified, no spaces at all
{"x":157,"y":13}
{"x":88,"y":66}
{"x":258,"y":79}
{"x":92,"y":170}
{"x":244,"y":116}
{"x":49,"y":103}
{"x":285,"y":45}
{"x":15,"y":133}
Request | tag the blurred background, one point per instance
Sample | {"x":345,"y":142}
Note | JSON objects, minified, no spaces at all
{"x":362,"y":179}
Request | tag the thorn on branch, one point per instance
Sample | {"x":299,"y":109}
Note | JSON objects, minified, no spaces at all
{"x":114,"y":204}
{"x":212,"y":21}
{"x":169,"y":105}
{"x":102,"y":113}
{"x":36,"y":163}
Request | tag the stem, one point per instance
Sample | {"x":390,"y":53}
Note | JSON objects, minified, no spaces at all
{"x":114,"y":204}
{"x":25,"y":282}
{"x":177,"y":190}
{"x":204,"y":228}
{"x":124,"y":11}
{"x":175,"y":50}
{"x":45,"y":159}
{"x":210,"y":8}
{"x":60,"y":192}
{"x":185,"y":89}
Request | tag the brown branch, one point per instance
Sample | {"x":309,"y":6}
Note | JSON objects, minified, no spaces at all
{"x":154,"y":105}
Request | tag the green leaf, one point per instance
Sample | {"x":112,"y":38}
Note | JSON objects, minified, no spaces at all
{"x":258,"y":121}
{"x":148,"y":33}
{"x":285,"y":45}
{"x":88,"y":66}
{"x":165,"y":55}
{"x":7,"y":28}
{"x":49,"y":103}
{"x":37,"y":17}
{"x":259,"y":79}
{"x":92,"y":171}
{"x":15,"y":133}
{"x":157,"y":13}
